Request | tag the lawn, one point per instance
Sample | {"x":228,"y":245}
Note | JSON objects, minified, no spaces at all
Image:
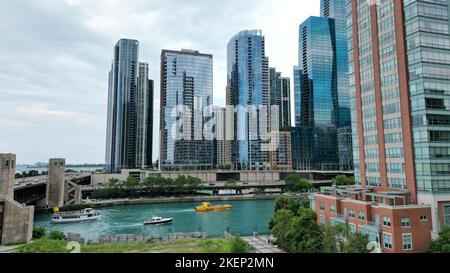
{"x":236,"y":245}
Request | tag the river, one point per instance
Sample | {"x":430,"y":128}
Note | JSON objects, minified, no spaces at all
{"x":243,"y":218}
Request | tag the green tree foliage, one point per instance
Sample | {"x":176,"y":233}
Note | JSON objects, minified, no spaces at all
{"x":30,"y":173}
{"x":131,"y":182}
{"x":297,"y":233}
{"x":224,"y":167}
{"x":151,"y":186}
{"x":441,"y":245}
{"x":343,"y":180}
{"x":230,"y":183}
{"x":290,"y":203}
{"x":238,"y":245}
{"x":287,"y":202}
{"x":356,"y":243}
{"x":295,"y":183}
{"x":334,"y":238}
{"x":57,"y":235}
{"x":38,"y":232}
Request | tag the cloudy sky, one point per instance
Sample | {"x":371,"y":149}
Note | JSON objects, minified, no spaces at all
{"x":55,"y":56}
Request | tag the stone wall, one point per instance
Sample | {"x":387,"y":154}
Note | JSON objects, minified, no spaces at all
{"x":17,"y":222}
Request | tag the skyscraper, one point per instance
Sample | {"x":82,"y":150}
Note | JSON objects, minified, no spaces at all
{"x":248,"y":91}
{"x":401,"y":109}
{"x":223,"y":136}
{"x":144,"y":144}
{"x":280,"y":95}
{"x":130,"y":110}
{"x":318,"y":100}
{"x":322,"y":103}
{"x":399,"y":56}
{"x":121,"y":123}
{"x":186,"y":90}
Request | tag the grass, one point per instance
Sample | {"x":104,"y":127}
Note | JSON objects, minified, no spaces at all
{"x":47,"y":245}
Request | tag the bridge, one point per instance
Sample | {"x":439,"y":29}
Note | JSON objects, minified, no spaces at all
{"x":31,"y":190}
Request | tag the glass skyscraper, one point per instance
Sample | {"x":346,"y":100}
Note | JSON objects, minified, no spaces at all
{"x":130,"y":110}
{"x":186,"y":90}
{"x":144,"y":131}
{"x":322,"y":105}
{"x":248,"y":85}
{"x":318,"y":103}
{"x":121,"y":121}
{"x":280,"y":95}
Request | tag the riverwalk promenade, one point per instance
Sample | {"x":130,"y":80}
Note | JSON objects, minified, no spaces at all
{"x":163,"y":200}
{"x":261,"y":244}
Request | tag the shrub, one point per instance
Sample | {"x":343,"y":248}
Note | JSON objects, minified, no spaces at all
{"x":38,"y":232}
{"x":57,"y":235}
{"x":237,"y":245}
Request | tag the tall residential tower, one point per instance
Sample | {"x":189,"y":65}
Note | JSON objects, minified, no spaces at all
{"x":129,"y":110}
{"x":186,"y":91}
{"x":248,"y":92}
{"x":399,"y":56}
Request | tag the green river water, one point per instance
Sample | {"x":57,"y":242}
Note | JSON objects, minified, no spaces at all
{"x":243,"y":218}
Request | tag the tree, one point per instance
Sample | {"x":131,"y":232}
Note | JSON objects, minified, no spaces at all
{"x":287,"y":202}
{"x":57,"y":235}
{"x":238,"y":245}
{"x":131,"y":182}
{"x":356,"y":243}
{"x":334,"y":238}
{"x":38,"y":232}
{"x":193,"y":182}
{"x":442,"y":244}
{"x":113,"y":183}
{"x":304,"y":233}
{"x":343,"y":180}
{"x":230,"y":183}
{"x":297,"y":233}
{"x":295,"y":183}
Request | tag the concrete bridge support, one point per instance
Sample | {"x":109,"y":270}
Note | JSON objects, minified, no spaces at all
{"x":56,"y":185}
{"x":7,"y":172}
{"x":16,"y":220}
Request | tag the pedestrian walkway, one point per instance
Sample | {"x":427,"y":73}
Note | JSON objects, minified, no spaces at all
{"x":8,"y":249}
{"x":261,"y":244}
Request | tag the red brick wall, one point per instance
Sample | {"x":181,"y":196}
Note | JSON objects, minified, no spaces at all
{"x":419,"y":230}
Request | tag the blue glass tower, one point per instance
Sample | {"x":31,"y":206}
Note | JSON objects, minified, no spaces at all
{"x":321,"y":89}
{"x":248,"y":85}
{"x":336,"y":10}
{"x":187,"y":81}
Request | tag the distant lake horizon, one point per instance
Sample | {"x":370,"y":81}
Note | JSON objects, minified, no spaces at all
{"x":27,"y":168}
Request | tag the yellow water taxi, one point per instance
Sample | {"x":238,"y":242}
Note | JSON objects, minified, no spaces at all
{"x":205,"y":206}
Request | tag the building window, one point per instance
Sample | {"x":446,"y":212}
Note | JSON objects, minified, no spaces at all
{"x":447,"y":215}
{"x":387,"y":240}
{"x":322,"y":207}
{"x":386,"y":221}
{"x":361,"y":215}
{"x":5,"y":164}
{"x":351,"y":213}
{"x":322,"y":220}
{"x":332,"y":209}
{"x":407,"y":241}
{"x":423,"y":218}
{"x":405,"y":222}
{"x":352,"y":228}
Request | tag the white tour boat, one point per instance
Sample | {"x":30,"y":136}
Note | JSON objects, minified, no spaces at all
{"x":75,"y":216}
{"x":156,"y":220}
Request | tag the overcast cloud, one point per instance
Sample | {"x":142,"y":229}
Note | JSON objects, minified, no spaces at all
{"x":55,"y":56}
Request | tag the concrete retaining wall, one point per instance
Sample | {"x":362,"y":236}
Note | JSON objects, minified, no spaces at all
{"x":17,"y":222}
